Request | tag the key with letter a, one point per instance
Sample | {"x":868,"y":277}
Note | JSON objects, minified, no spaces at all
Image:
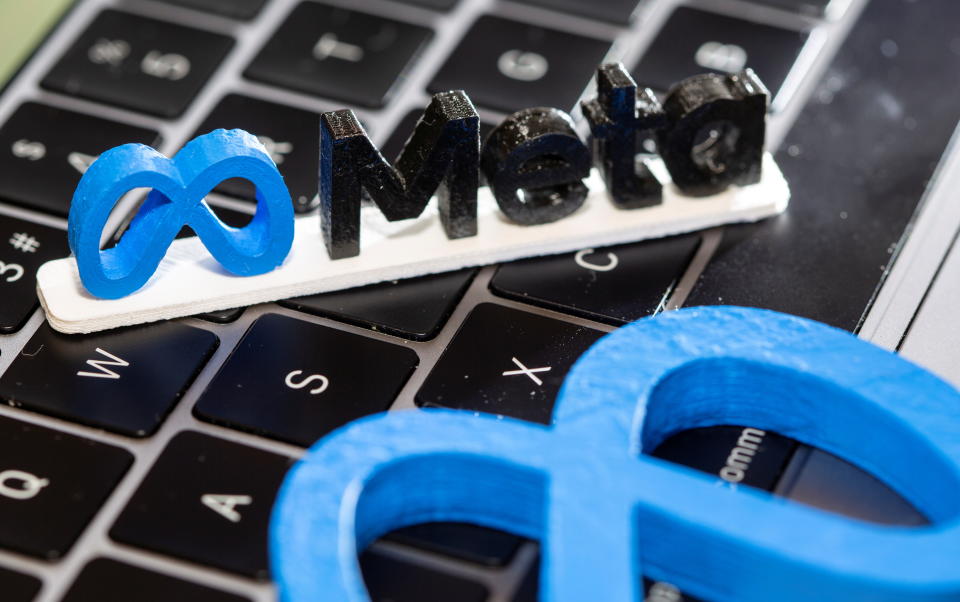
{"x":125,"y":381}
{"x":208,"y":501}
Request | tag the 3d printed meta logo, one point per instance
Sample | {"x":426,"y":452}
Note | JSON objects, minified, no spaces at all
{"x":178,"y":187}
{"x":606,"y":513}
{"x":542,"y":197}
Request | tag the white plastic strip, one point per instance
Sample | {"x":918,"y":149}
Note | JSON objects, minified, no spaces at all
{"x":189,"y":281}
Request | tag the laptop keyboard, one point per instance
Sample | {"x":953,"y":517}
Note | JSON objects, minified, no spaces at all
{"x":145,"y":460}
{"x":24,"y":247}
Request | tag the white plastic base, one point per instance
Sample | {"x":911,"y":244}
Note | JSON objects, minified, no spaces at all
{"x":189,"y":281}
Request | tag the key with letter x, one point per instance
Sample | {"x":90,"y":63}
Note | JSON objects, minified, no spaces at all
{"x":531,"y":372}
{"x":505,"y":361}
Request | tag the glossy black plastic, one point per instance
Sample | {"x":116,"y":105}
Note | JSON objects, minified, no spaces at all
{"x":535,"y":163}
{"x":716,"y":133}
{"x":441,"y":156}
{"x":617,"y":116}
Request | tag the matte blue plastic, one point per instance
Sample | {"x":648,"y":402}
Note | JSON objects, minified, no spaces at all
{"x":606,"y":513}
{"x":178,"y":187}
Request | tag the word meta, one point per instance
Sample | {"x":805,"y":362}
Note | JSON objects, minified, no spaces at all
{"x":710,"y":133}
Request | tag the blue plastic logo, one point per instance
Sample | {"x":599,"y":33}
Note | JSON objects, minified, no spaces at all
{"x":606,"y":513}
{"x":178,"y":187}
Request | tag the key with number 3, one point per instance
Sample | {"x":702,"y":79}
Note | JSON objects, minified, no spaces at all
{"x":24,"y":247}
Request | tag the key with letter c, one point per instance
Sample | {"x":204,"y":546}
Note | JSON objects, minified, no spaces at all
{"x":606,"y":513}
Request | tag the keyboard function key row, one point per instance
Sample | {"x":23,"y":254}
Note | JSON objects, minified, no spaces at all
{"x":316,"y":379}
{"x":139,"y":63}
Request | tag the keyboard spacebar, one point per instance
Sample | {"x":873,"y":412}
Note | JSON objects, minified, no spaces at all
{"x":858,"y":160}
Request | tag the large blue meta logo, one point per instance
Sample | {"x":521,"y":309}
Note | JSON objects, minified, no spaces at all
{"x":607,"y":513}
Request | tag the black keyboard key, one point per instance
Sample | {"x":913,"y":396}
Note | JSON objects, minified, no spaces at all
{"x":736,"y":454}
{"x":206,"y":500}
{"x":415,"y":309}
{"x":235,"y":9}
{"x":694,"y":41}
{"x":507,"y":65}
{"x":829,"y":483}
{"x":616,"y":284}
{"x":107,"y":580}
{"x":656,"y":591}
{"x":139,"y":63}
{"x":51,"y":486}
{"x":857,"y":168}
{"x":297,"y":381}
{"x":615,"y":11}
{"x":44,"y":151}
{"x":289,"y":135}
{"x":124,"y":381}
{"x":390,"y":579}
{"x":394,"y":144}
{"x":24,"y":247}
{"x":507,"y":362}
{"x":472,"y":543}
{"x":339,"y":53}
{"x":17,"y":587}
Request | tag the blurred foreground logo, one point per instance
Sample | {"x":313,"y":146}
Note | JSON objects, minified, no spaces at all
{"x":605,"y":513}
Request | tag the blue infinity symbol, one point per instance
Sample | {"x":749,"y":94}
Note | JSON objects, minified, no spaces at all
{"x":178,"y":187}
{"x":606,"y":513}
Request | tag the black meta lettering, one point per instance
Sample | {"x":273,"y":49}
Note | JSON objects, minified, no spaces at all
{"x":534,"y":163}
{"x":716,"y":132}
{"x":441,"y":156}
{"x":617,"y":117}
